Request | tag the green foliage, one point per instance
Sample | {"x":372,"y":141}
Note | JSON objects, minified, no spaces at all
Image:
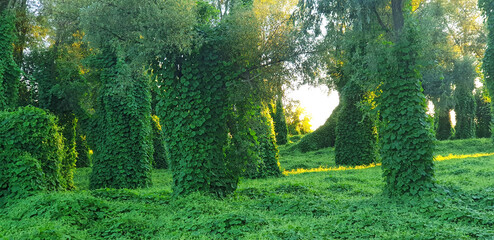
{"x":82,"y":148}
{"x":444,"y":129}
{"x":68,"y":123}
{"x":194,"y":111}
{"x":482,"y":114}
{"x":464,"y":77}
{"x":339,"y":204}
{"x":9,"y":71}
{"x":120,"y":128}
{"x":405,"y":135}
{"x":30,"y":140}
{"x":487,"y":7}
{"x":295,"y":125}
{"x":159,"y":154}
{"x":280,"y":127}
{"x":267,"y":147}
{"x":21,"y":177}
{"x":355,"y":142}
{"x":322,"y":137}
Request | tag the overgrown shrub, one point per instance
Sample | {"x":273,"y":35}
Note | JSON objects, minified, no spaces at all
{"x":30,"y":137}
{"x":322,"y":137}
{"x":159,"y":154}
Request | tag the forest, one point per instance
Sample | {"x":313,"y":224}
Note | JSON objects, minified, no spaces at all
{"x":169,"y":119}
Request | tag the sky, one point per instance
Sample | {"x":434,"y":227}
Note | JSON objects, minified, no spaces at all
{"x":318,"y":102}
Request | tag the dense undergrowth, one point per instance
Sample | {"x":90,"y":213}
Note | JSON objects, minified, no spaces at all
{"x":325,"y":205}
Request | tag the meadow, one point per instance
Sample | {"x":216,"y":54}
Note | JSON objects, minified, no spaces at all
{"x":326,"y":204}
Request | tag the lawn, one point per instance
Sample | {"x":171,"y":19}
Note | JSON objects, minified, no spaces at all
{"x":322,"y":205}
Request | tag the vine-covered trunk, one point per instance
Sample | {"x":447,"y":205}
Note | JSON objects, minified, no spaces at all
{"x":465,"y":114}
{"x":68,"y":123}
{"x":9,"y":71}
{"x":355,"y":139}
{"x":121,"y":128}
{"x":193,"y":109}
{"x":443,"y":130}
{"x":406,"y":136}
{"x":488,"y":64}
{"x":279,"y":119}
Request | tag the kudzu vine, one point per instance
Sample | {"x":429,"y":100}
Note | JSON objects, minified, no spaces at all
{"x":405,"y":135}
{"x":120,"y":132}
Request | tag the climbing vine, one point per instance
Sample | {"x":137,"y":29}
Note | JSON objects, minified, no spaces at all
{"x":9,"y":71}
{"x":280,"y":127}
{"x":31,"y":153}
{"x":355,"y":140}
{"x":120,"y":132}
{"x":464,"y":77}
{"x":194,"y":112}
{"x":405,"y":135}
{"x":159,"y":154}
{"x":487,"y":7}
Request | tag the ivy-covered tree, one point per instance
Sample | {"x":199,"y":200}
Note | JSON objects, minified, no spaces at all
{"x":9,"y":71}
{"x":464,"y":75}
{"x":487,"y":7}
{"x":355,"y":139}
{"x":482,"y":114}
{"x":119,"y":128}
{"x":280,"y":127}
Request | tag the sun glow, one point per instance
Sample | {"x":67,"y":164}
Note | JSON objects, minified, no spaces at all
{"x":345,"y":168}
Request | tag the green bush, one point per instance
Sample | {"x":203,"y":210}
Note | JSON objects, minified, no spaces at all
{"x":29,"y":137}
{"x":322,"y":137}
{"x":159,"y":155}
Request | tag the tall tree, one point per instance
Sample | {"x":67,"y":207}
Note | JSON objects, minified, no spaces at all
{"x":9,"y":71}
{"x":121,"y":125}
{"x":487,"y":7}
{"x":464,"y":75}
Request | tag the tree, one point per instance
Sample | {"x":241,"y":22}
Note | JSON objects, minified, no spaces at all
{"x":9,"y":71}
{"x":482,"y":114}
{"x":355,"y":139}
{"x":120,"y":125}
{"x":295,"y":123}
{"x":487,"y":7}
{"x":464,"y":78}
{"x":391,"y":56}
{"x":280,"y":127}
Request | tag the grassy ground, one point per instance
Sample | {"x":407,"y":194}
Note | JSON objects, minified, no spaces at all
{"x":322,"y":205}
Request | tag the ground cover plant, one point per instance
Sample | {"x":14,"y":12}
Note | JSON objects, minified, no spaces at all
{"x":322,"y":205}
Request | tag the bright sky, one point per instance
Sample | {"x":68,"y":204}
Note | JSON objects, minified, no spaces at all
{"x":317,"y":101}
